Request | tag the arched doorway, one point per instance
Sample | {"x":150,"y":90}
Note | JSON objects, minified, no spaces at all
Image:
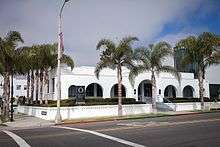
{"x":114,"y":91}
{"x":145,"y":91}
{"x":170,"y":92}
{"x":94,"y":90}
{"x":188,"y":92}
{"x":72,"y":91}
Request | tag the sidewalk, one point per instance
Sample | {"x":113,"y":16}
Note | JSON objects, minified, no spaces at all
{"x":22,"y":121}
{"x":25,"y":121}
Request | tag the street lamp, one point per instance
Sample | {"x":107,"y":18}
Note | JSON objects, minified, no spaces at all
{"x":58,"y":117}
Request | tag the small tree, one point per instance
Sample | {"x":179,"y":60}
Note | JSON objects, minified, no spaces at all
{"x":202,"y":51}
{"x":115,"y":57}
{"x":151,"y":59}
{"x":8,"y":60}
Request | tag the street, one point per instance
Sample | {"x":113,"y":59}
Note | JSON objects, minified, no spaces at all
{"x":197,"y":130}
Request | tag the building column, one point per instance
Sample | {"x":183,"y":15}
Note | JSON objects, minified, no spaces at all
{"x":95,"y":90}
{"x":142,"y":91}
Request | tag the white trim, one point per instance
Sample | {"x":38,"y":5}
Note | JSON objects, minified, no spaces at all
{"x":104,"y":136}
{"x":21,"y":142}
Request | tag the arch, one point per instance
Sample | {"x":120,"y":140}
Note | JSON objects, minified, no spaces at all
{"x":145,"y":91}
{"x":188,"y":91}
{"x":72,"y":91}
{"x":94,"y":90}
{"x":170,"y":91}
{"x":114,"y":91}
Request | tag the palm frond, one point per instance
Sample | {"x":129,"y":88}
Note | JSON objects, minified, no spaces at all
{"x":104,"y":63}
{"x":134,"y":72}
{"x":214,"y":59}
{"x":1,"y":68}
{"x":171,"y":70}
{"x":14,"y":37}
{"x":160,"y":51}
{"x":107,"y":43}
{"x":67,"y":60}
{"x":127,"y":41}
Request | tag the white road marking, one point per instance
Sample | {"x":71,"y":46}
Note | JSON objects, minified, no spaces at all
{"x":21,"y":142}
{"x":104,"y":136}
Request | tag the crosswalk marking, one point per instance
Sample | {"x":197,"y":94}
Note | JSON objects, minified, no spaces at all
{"x":21,"y":142}
{"x":104,"y":136}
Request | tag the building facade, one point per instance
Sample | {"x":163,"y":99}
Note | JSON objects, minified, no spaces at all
{"x":20,"y":86}
{"x":106,"y":85}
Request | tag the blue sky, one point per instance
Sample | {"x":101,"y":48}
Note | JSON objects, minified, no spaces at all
{"x":85,"y":22}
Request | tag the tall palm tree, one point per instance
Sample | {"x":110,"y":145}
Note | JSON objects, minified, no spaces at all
{"x":26,"y":66}
{"x":114,"y":57}
{"x":8,"y":56}
{"x":151,"y":59}
{"x":202,"y":51}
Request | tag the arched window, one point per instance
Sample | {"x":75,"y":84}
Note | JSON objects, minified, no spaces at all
{"x":94,"y":90}
{"x":144,"y":90}
{"x":114,"y":91}
{"x":170,"y":91}
{"x":188,"y":91}
{"x":72,"y":91}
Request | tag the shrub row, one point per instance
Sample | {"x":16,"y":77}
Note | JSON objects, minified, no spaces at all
{"x":88,"y":102}
{"x":183,"y":100}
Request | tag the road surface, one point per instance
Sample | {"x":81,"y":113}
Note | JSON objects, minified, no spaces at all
{"x":197,"y":130}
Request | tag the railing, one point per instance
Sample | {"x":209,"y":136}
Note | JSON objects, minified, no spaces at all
{"x":170,"y":102}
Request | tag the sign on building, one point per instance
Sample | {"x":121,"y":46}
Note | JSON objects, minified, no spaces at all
{"x":80,"y":94}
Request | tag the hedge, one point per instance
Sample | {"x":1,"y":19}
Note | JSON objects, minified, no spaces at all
{"x":88,"y":102}
{"x":183,"y":100}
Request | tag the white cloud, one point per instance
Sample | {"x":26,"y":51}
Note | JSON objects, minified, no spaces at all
{"x":85,"y":21}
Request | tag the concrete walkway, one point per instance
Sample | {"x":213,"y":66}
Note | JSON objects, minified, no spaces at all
{"x":25,"y":121}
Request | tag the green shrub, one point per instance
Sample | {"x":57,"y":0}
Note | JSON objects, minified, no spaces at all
{"x":21,"y":100}
{"x":88,"y":102}
{"x":185,"y":100}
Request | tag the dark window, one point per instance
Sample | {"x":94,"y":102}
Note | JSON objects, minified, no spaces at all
{"x":72,"y":91}
{"x":48,"y":86}
{"x":53,"y":84}
{"x":18,"y":87}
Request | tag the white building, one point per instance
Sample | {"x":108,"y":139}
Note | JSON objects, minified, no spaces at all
{"x":20,"y":86}
{"x":105,"y":86}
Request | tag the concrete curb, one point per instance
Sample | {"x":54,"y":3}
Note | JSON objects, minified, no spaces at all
{"x":131,"y":117}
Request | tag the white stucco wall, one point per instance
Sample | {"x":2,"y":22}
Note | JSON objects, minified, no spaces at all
{"x":18,"y":80}
{"x":83,"y":76}
{"x":79,"y":112}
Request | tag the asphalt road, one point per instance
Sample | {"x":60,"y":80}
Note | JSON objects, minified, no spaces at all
{"x":200,"y":130}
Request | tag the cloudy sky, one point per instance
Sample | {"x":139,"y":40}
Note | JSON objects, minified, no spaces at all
{"x":85,"y":22}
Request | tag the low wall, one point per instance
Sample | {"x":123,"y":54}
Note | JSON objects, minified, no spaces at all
{"x":189,"y":106}
{"x":78,"y":112}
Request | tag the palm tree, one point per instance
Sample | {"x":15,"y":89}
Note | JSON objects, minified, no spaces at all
{"x":203,"y":52}
{"x":8,"y":56}
{"x":151,"y":59}
{"x":114,"y":57}
{"x":37,"y":60}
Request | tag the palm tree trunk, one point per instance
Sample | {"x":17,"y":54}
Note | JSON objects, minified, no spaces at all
{"x":37,"y":85}
{"x":41,"y":86}
{"x":12,"y":97}
{"x":6,"y":96}
{"x":119,"y":91}
{"x":154,"y":89}
{"x":45,"y":85}
{"x":28,"y":86}
{"x":32,"y":86}
{"x":201,"y":89}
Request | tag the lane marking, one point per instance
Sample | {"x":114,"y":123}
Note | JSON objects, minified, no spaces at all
{"x":104,"y":136}
{"x":21,"y":142}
